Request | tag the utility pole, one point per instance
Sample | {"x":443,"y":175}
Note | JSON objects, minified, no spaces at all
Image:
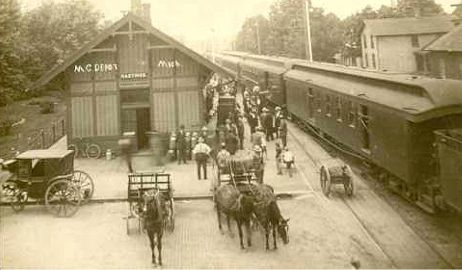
{"x":258,"y":37}
{"x":309,"y":52}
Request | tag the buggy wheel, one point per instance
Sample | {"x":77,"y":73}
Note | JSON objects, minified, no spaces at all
{"x":325,"y":181}
{"x":348,"y":183}
{"x":85,"y":184}
{"x":62,"y":198}
{"x":75,"y":149}
{"x":93,"y":151}
{"x":16,"y":196}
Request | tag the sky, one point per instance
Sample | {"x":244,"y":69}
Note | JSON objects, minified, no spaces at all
{"x":197,"y":21}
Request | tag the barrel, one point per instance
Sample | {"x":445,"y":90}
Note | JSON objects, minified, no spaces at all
{"x":159,"y":146}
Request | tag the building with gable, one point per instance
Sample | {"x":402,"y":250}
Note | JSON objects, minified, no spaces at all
{"x":395,"y":44}
{"x":132,"y":78}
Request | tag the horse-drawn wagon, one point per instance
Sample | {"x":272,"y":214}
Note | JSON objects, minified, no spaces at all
{"x":49,"y":176}
{"x":140,"y":184}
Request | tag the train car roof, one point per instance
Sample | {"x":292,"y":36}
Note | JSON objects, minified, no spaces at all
{"x":420,"y":98}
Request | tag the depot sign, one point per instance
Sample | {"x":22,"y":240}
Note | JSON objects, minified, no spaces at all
{"x":95,"y":68}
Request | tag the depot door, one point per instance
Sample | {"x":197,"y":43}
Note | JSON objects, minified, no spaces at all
{"x":142,"y":126}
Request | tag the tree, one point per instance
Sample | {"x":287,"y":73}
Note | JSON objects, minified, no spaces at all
{"x":48,"y":37}
{"x":10,"y":74}
{"x":285,"y":32}
{"x":410,"y":8}
{"x":255,"y":29}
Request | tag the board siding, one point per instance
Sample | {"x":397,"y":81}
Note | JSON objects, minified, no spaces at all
{"x":163,"y":111}
{"x":188,"y":109}
{"x":107,"y":116}
{"x":82,"y":117}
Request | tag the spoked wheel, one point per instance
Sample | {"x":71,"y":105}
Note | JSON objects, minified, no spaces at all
{"x":85,"y":183}
{"x":325,"y":181}
{"x":15,"y":196}
{"x":62,"y":198}
{"x":93,"y":151}
{"x":348,"y":182}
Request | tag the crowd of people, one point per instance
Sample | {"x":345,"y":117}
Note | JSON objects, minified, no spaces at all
{"x":265,"y":125}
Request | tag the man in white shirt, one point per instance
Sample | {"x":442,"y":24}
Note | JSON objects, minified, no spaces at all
{"x":201,"y":153}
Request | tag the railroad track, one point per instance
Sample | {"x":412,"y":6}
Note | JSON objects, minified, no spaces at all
{"x":316,"y":162}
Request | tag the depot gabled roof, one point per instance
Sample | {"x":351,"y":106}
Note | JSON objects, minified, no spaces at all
{"x":48,"y":76}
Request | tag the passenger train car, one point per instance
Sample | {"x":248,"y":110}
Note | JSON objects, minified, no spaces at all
{"x":386,"y":119}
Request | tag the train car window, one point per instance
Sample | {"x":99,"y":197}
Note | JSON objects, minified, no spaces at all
{"x":365,"y":41}
{"x":373,"y":61}
{"x":318,"y":101}
{"x":328,"y":105}
{"x":351,"y":113}
{"x":338,"y":109}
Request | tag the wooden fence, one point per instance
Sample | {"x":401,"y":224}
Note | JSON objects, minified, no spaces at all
{"x":33,"y":139}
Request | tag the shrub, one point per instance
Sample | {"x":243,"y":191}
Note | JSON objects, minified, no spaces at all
{"x":5,"y":127}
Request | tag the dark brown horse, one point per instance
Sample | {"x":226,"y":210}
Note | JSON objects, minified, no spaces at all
{"x":154,"y":215}
{"x":236,"y":205}
{"x":269,"y":215}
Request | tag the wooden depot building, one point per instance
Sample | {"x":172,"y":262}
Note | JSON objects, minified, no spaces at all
{"x":132,"y":78}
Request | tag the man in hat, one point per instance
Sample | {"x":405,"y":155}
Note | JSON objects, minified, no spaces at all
{"x":266,"y":120}
{"x":277,"y":120}
{"x":253,"y":120}
{"x":288,"y":158}
{"x":181,"y":144}
{"x":201,"y":153}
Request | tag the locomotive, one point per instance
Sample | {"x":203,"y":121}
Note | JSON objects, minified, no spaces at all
{"x":385,"y":119}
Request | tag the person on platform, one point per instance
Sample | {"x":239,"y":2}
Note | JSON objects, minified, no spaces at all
{"x":181,"y":144}
{"x":259,"y":139}
{"x":240,"y":131}
{"x":278,"y":157}
{"x":277,"y":120}
{"x":288,"y":158}
{"x":201,"y":153}
{"x":253,"y":120}
{"x":126,"y":149}
{"x":223,"y":157}
{"x":267,"y":123}
{"x":258,"y":163}
{"x":283,"y":131}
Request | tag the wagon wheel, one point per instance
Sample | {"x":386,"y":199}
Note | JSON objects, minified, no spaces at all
{"x":93,"y":151}
{"x":16,"y":196}
{"x":62,"y":198}
{"x":325,"y":181}
{"x":85,"y":183}
{"x":348,"y":183}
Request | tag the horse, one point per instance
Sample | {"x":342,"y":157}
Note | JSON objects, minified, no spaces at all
{"x":230,"y":201}
{"x":269,"y":215}
{"x":154,"y":216}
